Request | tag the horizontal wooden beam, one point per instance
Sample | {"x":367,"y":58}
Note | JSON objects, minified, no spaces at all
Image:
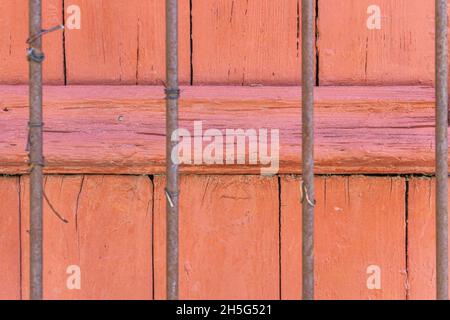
{"x":120,"y":129}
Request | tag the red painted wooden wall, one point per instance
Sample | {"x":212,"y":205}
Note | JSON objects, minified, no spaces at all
{"x":240,"y":235}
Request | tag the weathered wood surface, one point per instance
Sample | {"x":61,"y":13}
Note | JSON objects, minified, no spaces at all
{"x":10,"y":244}
{"x":229,"y":237}
{"x":101,"y":129}
{"x":401,"y":51}
{"x":246,"y":42}
{"x":359,"y":222}
{"x":13,"y":35}
{"x":422,"y":238}
{"x":123,"y":42}
{"x":108,"y":236}
{"x":222,"y":41}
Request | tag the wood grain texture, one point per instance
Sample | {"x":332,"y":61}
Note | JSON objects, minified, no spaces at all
{"x":13,"y":35}
{"x":401,"y":52}
{"x":121,"y":129}
{"x":9,"y":238}
{"x":422,"y":239}
{"x":360,"y":221}
{"x":123,"y":42}
{"x":229,"y":245}
{"x":108,"y":235}
{"x":246,"y":42}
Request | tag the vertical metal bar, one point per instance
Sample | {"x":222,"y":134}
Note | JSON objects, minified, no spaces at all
{"x":441,"y":150}
{"x":308,"y":149}
{"x":35,"y":149}
{"x":172,"y":96}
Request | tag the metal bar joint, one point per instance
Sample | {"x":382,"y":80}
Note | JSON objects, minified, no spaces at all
{"x":35,"y":54}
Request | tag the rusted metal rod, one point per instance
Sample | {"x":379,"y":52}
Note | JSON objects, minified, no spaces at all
{"x":36,"y":159}
{"x":172,"y":96}
{"x":308,"y":201}
{"x":441,"y":150}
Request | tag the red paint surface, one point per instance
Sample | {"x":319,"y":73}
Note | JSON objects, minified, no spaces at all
{"x":108,"y":235}
{"x":359,"y":222}
{"x":13,"y":35}
{"x":422,"y":239}
{"x":121,"y":129}
{"x":123,"y":42}
{"x":229,"y":245}
{"x":401,"y":52}
{"x":10,"y":238}
{"x":246,"y":42}
{"x":235,"y":241}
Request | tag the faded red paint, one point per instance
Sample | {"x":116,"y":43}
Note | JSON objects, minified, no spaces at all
{"x":230,"y":235}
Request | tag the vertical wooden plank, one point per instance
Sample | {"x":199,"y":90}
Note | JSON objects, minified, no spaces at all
{"x":9,"y":238}
{"x":360,"y":222}
{"x":422,"y":239}
{"x":123,"y":42}
{"x":14,"y":33}
{"x":401,"y":52}
{"x":108,"y":235}
{"x":246,"y":42}
{"x":229,"y":237}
